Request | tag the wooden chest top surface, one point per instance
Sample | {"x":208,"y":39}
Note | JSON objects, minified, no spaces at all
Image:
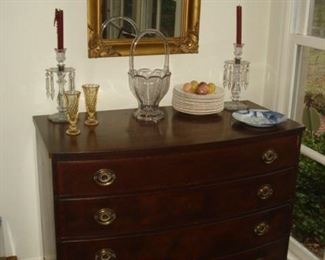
{"x":119,"y":132}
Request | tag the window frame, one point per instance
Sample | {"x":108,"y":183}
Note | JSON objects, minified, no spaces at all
{"x":294,"y":37}
{"x":297,"y":16}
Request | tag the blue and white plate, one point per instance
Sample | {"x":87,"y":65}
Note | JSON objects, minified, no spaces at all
{"x":259,"y":117}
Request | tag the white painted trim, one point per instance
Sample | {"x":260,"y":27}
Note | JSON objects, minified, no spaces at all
{"x":293,"y":73}
{"x":300,"y":13}
{"x":308,"y":41}
{"x":310,"y":15}
{"x":312,"y":154}
{"x":299,"y":251}
{"x":8,"y":240}
{"x":291,"y":256}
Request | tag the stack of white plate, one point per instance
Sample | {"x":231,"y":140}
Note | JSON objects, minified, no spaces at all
{"x":195,"y":104}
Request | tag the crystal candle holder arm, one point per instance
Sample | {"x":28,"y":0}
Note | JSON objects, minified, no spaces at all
{"x":235,"y":78}
{"x":60,"y":71}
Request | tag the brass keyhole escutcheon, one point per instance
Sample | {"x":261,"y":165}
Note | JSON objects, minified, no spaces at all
{"x":269,"y":156}
{"x":261,"y":229}
{"x":105,"y":216}
{"x":104,"y":177}
{"x":105,"y":254}
{"x":265,"y":191}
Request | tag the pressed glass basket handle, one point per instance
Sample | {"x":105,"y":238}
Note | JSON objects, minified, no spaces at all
{"x":138,"y":38}
{"x":129,"y":20}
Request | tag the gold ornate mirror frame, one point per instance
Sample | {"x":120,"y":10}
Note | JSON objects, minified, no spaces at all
{"x":188,"y":42}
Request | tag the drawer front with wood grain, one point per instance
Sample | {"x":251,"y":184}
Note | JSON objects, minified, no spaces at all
{"x":272,"y":251}
{"x":102,"y":177}
{"x":194,"y":242}
{"x":163,"y":209}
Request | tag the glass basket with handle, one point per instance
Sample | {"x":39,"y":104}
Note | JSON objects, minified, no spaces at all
{"x":147,"y":85}
{"x":120,"y":28}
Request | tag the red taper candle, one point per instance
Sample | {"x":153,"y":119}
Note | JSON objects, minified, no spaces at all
{"x":58,"y":20}
{"x":238,"y":24}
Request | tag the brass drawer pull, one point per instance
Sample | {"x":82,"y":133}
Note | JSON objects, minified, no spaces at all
{"x":265,"y":191}
{"x":269,"y":156}
{"x":105,"y":216}
{"x":104,"y":177}
{"x":261,"y":229}
{"x":105,"y":254}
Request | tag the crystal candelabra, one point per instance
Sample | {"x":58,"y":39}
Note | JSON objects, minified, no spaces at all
{"x":235,"y":78}
{"x":61,"y":71}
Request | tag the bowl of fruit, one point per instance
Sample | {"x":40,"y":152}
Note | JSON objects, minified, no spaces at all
{"x":198,"y":98}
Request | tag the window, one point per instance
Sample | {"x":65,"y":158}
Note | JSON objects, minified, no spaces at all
{"x":308,"y":106}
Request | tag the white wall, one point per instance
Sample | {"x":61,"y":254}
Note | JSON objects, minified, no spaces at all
{"x":27,"y":41}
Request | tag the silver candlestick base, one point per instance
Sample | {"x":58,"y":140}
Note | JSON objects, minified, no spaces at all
{"x":61,"y":71}
{"x":235,"y":78}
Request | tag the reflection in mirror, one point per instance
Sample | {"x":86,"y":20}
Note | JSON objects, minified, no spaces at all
{"x":121,"y":30}
{"x":177,"y":19}
{"x":164,"y":15}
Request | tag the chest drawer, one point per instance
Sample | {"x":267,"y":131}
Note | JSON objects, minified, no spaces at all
{"x":272,"y":251}
{"x":196,"y":242}
{"x":160,"y":210}
{"x":102,"y":177}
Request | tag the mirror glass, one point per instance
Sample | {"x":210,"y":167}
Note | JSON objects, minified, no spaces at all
{"x":164,"y":15}
{"x":178,"y":20}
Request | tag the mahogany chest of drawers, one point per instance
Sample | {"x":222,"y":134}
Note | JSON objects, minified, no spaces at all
{"x":190,"y":187}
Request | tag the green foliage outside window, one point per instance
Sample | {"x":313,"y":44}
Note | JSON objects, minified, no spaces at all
{"x":315,"y":95}
{"x":319,"y":15}
{"x":309,"y":208}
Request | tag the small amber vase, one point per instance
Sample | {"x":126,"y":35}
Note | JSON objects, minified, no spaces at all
{"x":90,"y":91}
{"x":72,"y":104}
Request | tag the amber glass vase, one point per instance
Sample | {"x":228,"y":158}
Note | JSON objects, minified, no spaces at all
{"x":90,"y":91}
{"x":72,"y":104}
